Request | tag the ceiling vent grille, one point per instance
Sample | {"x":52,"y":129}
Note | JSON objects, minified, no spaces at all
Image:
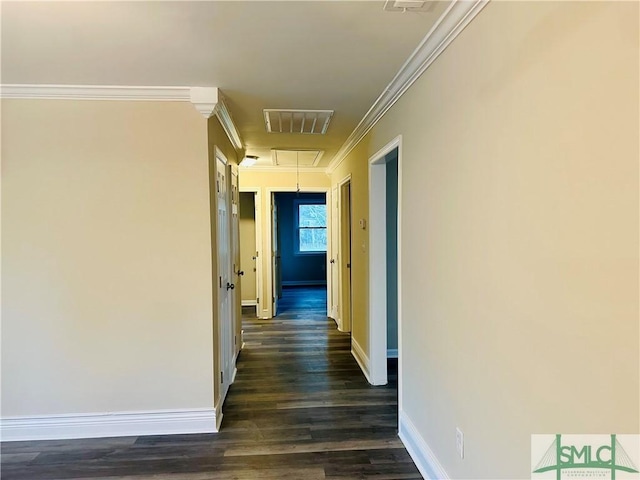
{"x":296,"y":158}
{"x":308,"y":122}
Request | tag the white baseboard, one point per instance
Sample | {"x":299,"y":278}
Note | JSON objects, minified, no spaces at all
{"x":361,"y":358}
{"x":117,"y":424}
{"x":249,"y":303}
{"x":392,"y":353}
{"x":424,"y":458}
{"x":219,"y":413}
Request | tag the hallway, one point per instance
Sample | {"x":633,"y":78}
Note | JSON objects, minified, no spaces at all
{"x":299,"y":409}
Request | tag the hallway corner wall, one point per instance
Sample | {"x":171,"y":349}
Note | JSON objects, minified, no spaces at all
{"x":106,"y":259}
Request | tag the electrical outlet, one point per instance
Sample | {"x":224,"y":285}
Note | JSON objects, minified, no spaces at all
{"x":460,"y":442}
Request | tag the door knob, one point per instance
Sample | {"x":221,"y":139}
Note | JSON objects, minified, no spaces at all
{"x":230,"y":286}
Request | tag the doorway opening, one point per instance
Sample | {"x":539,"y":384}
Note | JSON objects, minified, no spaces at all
{"x":385,"y":339}
{"x":299,"y":245}
{"x":345,"y":295}
{"x":249,"y":250}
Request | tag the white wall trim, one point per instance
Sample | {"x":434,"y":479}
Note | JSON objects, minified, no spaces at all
{"x":455,"y":18}
{"x":207,"y":100}
{"x":218,"y":413}
{"x":116,"y":424}
{"x":392,"y":353}
{"x":361,"y":358}
{"x":228,"y":125}
{"x":249,"y":303}
{"x":424,"y":458}
{"x":95,"y":92}
{"x":345,"y":322}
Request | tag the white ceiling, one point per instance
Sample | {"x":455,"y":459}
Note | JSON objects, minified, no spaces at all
{"x":322,"y":55}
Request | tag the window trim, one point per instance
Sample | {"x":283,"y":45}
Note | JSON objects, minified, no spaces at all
{"x":296,"y":226}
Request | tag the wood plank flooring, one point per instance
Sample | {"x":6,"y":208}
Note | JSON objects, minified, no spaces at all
{"x":299,"y":409}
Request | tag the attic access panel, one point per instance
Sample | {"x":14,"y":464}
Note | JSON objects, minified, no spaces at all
{"x":296,"y":158}
{"x":310,"y":122}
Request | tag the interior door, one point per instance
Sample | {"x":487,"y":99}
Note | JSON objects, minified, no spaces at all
{"x":237,"y":273}
{"x":333,"y":261}
{"x":225,"y":280}
{"x":345,"y":257}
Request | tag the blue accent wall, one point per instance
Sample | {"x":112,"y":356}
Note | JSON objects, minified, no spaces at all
{"x":297,"y":269}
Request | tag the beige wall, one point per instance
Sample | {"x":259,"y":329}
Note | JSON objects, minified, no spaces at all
{"x":266,"y":182}
{"x":520,"y":232}
{"x":106,"y":257}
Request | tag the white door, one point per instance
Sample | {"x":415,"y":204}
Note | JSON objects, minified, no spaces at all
{"x":333,"y":261}
{"x":237,"y":272}
{"x":225,"y":280}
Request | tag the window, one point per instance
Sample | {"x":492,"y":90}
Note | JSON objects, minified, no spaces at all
{"x":312,"y":227}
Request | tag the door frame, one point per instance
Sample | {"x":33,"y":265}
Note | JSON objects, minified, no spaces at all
{"x":344,"y":321}
{"x":257,"y":198}
{"x":333,"y":288}
{"x":378,"y":269}
{"x":267,"y":308}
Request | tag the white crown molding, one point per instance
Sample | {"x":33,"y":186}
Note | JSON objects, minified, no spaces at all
{"x":455,"y":18}
{"x":95,"y":92}
{"x":98,"y":425}
{"x":207,"y":100}
{"x":281,"y":169}
{"x":204,"y":99}
{"x":224,"y":115}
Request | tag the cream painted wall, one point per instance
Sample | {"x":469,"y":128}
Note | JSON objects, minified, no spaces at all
{"x":106,"y":258}
{"x":266,"y":181}
{"x":520,"y":232}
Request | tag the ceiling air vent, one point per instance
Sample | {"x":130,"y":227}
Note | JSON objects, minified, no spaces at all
{"x":297,"y":121}
{"x":293,"y":158}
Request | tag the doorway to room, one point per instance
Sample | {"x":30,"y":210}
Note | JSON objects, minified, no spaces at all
{"x":250,"y":241}
{"x":299,"y":233}
{"x":385,"y":319}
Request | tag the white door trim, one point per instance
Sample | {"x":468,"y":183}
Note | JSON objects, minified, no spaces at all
{"x":258,"y":220}
{"x":267,"y":308}
{"x":344,"y":320}
{"x":378,"y":269}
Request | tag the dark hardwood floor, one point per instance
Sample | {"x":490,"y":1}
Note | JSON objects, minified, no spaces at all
{"x":299,"y":409}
